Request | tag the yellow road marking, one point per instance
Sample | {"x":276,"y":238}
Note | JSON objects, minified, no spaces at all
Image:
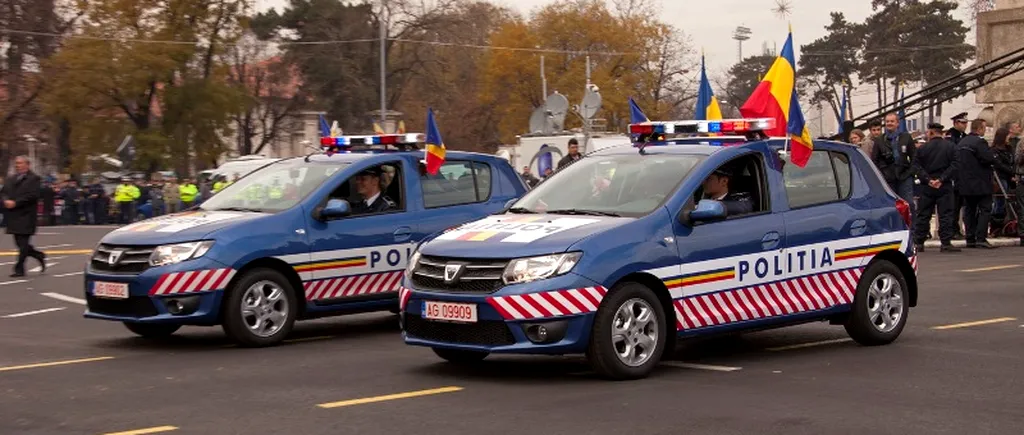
{"x":54,"y":252}
{"x":975,"y":323}
{"x":986,"y":269}
{"x":157,"y":429}
{"x":54,"y":363}
{"x":811,"y":344}
{"x":390,"y":397}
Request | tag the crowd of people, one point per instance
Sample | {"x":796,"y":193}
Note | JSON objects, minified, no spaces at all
{"x":974,"y":186}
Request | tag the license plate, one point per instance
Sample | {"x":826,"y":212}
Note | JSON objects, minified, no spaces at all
{"x":449,"y":312}
{"x":110,"y":290}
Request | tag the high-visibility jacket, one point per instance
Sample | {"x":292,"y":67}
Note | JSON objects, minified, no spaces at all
{"x":275,"y":192}
{"x":188,"y":192}
{"x":218,"y":186}
{"x":126,"y":193}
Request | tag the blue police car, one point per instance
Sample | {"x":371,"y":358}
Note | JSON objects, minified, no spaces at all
{"x":631,"y":247}
{"x":300,"y":238}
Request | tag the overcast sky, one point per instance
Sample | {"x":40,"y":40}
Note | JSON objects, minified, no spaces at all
{"x":710,"y":24}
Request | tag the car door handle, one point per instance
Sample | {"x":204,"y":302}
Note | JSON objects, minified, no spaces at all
{"x":858,"y":227}
{"x":402,"y":234}
{"x":770,"y":241}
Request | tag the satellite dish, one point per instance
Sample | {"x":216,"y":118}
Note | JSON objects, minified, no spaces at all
{"x":539,"y":121}
{"x":591,"y":103}
{"x":557,"y":107}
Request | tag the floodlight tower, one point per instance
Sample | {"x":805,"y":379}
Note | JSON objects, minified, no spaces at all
{"x":741,"y":34}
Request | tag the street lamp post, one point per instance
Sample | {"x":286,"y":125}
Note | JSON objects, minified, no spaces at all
{"x":383,"y":65}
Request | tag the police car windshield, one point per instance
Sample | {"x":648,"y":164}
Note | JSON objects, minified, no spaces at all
{"x":620,"y":185}
{"x":275,"y":187}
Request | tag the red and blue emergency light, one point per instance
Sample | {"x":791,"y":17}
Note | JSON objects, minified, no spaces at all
{"x":696,"y":127}
{"x":373,"y":142}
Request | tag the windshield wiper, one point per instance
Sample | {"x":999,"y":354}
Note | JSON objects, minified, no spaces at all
{"x":521,"y":210}
{"x":579,"y":211}
{"x":254,"y":210}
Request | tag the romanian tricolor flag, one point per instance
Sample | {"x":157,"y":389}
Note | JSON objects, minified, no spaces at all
{"x":377,"y":129}
{"x":325,"y":130}
{"x":401,"y":127}
{"x":435,"y":146}
{"x":776,"y":97}
{"x":707,"y":104}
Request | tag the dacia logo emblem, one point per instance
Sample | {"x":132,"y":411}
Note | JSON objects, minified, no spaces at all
{"x":115,"y":256}
{"x":452,"y":272}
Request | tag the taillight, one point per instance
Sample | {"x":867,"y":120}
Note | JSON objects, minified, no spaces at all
{"x":904,"y":208}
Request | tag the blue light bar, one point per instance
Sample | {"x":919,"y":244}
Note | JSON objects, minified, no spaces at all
{"x":375,"y":139}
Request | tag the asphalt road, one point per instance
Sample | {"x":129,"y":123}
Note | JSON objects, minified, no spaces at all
{"x":954,"y":371}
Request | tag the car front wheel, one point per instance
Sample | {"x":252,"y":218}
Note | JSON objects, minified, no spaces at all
{"x":259,"y":309}
{"x":629,"y":334}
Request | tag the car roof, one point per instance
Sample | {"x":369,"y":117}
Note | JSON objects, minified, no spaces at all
{"x":348,"y":158}
{"x":700,"y":146}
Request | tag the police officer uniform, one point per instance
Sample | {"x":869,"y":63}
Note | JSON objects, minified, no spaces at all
{"x":378,"y":203}
{"x":936,"y":160}
{"x":955,"y":135}
{"x":976,"y":161}
{"x":736,"y":203}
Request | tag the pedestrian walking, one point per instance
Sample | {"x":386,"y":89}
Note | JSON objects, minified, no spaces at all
{"x":975,"y":184}
{"x":936,"y":168}
{"x":894,"y":153}
{"x":20,"y":195}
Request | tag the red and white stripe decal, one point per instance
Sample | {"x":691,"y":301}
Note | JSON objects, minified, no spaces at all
{"x":809,"y":293}
{"x":403,"y":297}
{"x":192,"y":281}
{"x":355,"y":285}
{"x":548,"y":304}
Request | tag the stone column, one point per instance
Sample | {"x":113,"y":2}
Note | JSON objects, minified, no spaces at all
{"x":1000,"y":32}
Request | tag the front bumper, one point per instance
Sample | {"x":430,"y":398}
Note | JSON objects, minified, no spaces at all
{"x":191,"y":288}
{"x":507,"y":319}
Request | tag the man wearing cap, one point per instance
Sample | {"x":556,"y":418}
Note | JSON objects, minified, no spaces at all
{"x":367,"y":184}
{"x":936,"y":167}
{"x":716,"y":188}
{"x":955,"y":134}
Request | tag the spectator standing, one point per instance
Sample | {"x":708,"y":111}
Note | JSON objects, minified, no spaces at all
{"x":894,"y":153}
{"x":72,"y":197}
{"x":874,"y":133}
{"x":156,"y":197}
{"x":94,"y":203}
{"x":975,"y":184}
{"x":1004,"y":172}
{"x":936,"y":168}
{"x":48,"y":194}
{"x":172,"y":195}
{"x":1018,"y":160}
{"x":528,"y":177}
{"x":21,"y":201}
{"x":573,"y":156}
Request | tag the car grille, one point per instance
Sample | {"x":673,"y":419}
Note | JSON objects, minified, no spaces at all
{"x":481,"y":333}
{"x":134,"y":306}
{"x":134,"y":260}
{"x":480,"y":276}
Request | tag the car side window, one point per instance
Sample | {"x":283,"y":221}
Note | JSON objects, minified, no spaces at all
{"x":742,"y":179}
{"x":844,"y":175}
{"x":373,"y":190}
{"x":456,"y":183}
{"x":814,"y":183}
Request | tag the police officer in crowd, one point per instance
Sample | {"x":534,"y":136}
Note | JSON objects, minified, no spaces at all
{"x":936,"y":168}
{"x":893,"y":153}
{"x":95,"y":203}
{"x":955,"y":134}
{"x":72,"y":197}
{"x":367,"y":184}
{"x":716,"y":188}
{"x":975,"y":184}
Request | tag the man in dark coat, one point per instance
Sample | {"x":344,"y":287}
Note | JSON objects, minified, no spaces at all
{"x":367,"y":184}
{"x":975,"y":184}
{"x":954,"y":134}
{"x":894,"y":153}
{"x":936,"y":167}
{"x":20,"y":198}
{"x":573,"y":156}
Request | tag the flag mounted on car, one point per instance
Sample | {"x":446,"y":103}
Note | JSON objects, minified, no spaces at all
{"x":776,"y":97}
{"x":435,"y":146}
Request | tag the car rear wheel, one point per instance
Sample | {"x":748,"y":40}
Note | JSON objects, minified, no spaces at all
{"x":460,"y":356}
{"x":260,"y":309}
{"x":628,"y":337}
{"x":152,"y":330}
{"x":880,"y":307}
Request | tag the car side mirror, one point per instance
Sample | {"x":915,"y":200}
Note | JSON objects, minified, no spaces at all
{"x":335,"y":208}
{"x":707,"y":210}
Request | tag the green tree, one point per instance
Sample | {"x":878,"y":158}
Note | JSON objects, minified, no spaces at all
{"x":829,"y":62}
{"x":173,"y":97}
{"x":744,"y":78}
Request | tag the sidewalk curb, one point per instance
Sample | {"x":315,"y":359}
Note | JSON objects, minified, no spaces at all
{"x":960,"y":243}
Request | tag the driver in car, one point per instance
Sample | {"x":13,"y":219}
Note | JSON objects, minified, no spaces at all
{"x":716,"y":188}
{"x":368,"y":185}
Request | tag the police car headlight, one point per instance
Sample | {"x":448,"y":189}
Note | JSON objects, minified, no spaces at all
{"x":413,"y":262}
{"x":176,"y":253}
{"x":529,"y":269}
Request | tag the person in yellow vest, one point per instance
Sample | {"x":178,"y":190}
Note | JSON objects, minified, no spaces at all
{"x":220,"y":184}
{"x":125,"y":196}
{"x":275,"y":191}
{"x":172,"y":195}
{"x":188,"y":191}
